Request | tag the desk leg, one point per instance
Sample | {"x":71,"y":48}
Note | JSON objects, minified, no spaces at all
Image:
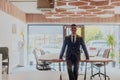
{"x":61,"y":76}
{"x":59,"y":66}
{"x":91,"y":70}
{"x":60,"y":70}
{"x":105,"y":70}
{"x":85,"y":71}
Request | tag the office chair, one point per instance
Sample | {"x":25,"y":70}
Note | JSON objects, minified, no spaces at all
{"x":5,"y":58}
{"x":40,"y":65}
{"x":104,"y":54}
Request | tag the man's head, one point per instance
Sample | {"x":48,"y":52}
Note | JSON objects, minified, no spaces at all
{"x":73,"y":29}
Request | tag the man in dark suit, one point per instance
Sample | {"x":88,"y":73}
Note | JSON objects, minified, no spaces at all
{"x":73,"y":44}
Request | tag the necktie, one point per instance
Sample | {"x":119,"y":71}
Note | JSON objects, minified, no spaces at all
{"x":73,"y":39}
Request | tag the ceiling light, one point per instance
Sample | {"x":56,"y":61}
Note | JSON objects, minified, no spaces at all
{"x":76,"y":10}
{"x":64,"y":0}
{"x":90,"y":15}
{"x":53,"y":17}
{"x":105,"y":15}
{"x":66,"y":7}
{"x":98,"y":0}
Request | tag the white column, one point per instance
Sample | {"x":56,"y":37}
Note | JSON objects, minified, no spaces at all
{"x":0,"y":66}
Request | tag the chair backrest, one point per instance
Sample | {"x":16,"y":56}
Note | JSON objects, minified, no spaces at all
{"x":35,"y":54}
{"x":42,"y":52}
{"x":4,"y":52}
{"x":40,"y":65}
{"x":98,"y":52}
{"x":104,"y":53}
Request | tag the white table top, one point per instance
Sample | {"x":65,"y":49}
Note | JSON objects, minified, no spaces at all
{"x":55,"y":58}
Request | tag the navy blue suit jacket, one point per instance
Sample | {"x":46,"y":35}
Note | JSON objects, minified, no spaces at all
{"x":73,"y":48}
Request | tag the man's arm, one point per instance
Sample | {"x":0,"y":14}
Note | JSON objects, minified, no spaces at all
{"x":84,"y":48}
{"x":63,"y":49}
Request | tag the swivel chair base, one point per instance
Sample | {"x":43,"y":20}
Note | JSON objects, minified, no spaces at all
{"x":99,"y":76}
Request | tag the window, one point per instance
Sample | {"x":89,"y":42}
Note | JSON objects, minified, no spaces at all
{"x":46,"y":37}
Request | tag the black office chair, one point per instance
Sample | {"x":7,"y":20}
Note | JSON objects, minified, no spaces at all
{"x":41,"y":65}
{"x":5,"y":58}
{"x":104,"y":54}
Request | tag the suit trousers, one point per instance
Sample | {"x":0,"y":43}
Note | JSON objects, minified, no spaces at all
{"x":72,"y":68}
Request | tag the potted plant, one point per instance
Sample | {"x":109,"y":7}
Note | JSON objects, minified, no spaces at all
{"x":111,"y":43}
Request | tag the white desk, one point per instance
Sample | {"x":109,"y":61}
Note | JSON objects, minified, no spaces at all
{"x":55,"y":58}
{"x":50,"y":57}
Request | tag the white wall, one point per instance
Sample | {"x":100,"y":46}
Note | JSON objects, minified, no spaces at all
{"x":11,"y":39}
{"x":0,"y":67}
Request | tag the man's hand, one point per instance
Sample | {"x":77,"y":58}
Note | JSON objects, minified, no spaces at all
{"x":61,"y":60}
{"x":57,"y":60}
{"x":87,"y":58}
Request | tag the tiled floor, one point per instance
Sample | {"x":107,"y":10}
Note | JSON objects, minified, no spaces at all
{"x":114,"y":73}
